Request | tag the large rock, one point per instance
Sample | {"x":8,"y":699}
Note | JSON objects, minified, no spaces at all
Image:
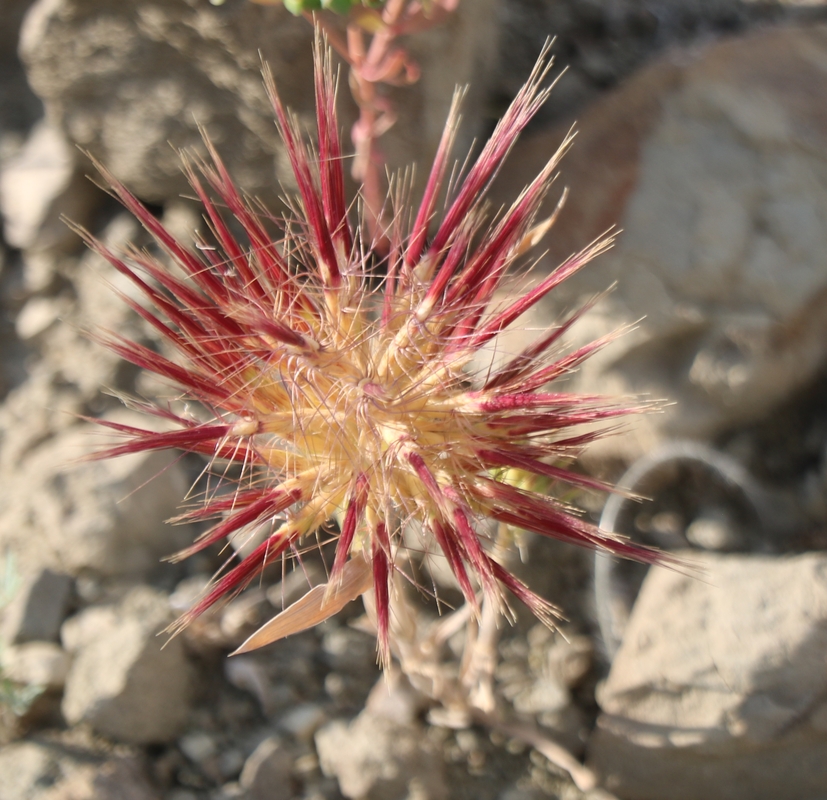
{"x":712,"y":161}
{"x":40,"y":185}
{"x":73,"y":370}
{"x":270,"y":765}
{"x":719,"y":689}
{"x":125,"y":681}
{"x":38,"y":609}
{"x":129,"y":79}
{"x":376,"y":758}
{"x":42,"y":664}
{"x":32,"y":770}
{"x":107,"y":518}
{"x":18,"y":105}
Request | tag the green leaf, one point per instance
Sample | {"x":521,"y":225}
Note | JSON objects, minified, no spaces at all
{"x":18,"y":699}
{"x":339,"y":6}
{"x":298,"y":7}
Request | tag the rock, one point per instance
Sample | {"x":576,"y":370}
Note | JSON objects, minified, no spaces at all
{"x":601,"y":44}
{"x":562,"y":656}
{"x":712,"y":162}
{"x":42,"y":183}
{"x":31,"y":181}
{"x":267,"y":770}
{"x":393,"y":697}
{"x":303,"y":720}
{"x":545,"y":694}
{"x":188,"y":591}
{"x":569,"y":660}
{"x":248,"y":674}
{"x":73,"y":356}
{"x":84,"y":628}
{"x":37,"y":316}
{"x":38,"y":609}
{"x":36,"y":664}
{"x":519,"y":793}
{"x":243,"y":615}
{"x":347,"y":650}
{"x":127,"y":79}
{"x":718,"y":690}
{"x":19,"y":108}
{"x":540,"y":684}
{"x":24,"y":765}
{"x":229,"y":791}
{"x":63,"y":300}
{"x":111,"y":780}
{"x":181,"y":794}
{"x":125,"y":681}
{"x":31,"y":412}
{"x":230,"y":762}
{"x":375,"y":758}
{"x":569,"y":727}
{"x":105,"y":517}
{"x":198,"y":746}
{"x":295,"y":585}
{"x":33,"y":770}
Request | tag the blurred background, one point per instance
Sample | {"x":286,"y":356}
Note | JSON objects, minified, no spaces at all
{"x":702,"y":134}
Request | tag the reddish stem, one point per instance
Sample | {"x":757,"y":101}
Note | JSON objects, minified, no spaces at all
{"x":382,"y":61}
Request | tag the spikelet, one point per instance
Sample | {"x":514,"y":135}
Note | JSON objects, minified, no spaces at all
{"x":343,"y":399}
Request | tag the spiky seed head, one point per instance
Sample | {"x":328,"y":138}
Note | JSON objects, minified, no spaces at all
{"x":343,"y":399}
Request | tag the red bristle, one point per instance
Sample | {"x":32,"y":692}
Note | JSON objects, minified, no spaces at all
{"x":527,"y":362}
{"x":544,"y":611}
{"x":164,"y":238}
{"x":330,"y":151}
{"x":151,"y":361}
{"x":380,"y":557}
{"x":493,"y":154}
{"x":239,"y":498}
{"x":353,"y":516}
{"x":238,"y":578}
{"x":445,"y":537}
{"x":262,"y":246}
{"x":262,"y":510}
{"x":419,"y":231}
{"x":185,"y":439}
{"x":311,"y":202}
{"x":533,"y":512}
{"x":516,"y":458}
{"x":531,"y":298}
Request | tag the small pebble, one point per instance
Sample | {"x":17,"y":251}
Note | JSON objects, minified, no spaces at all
{"x":37,"y":315}
{"x":230,"y":762}
{"x":713,"y":532}
{"x":467,"y":741}
{"x":181,"y":794}
{"x":241,"y":616}
{"x":306,"y":764}
{"x":229,"y":791}
{"x":295,"y":585}
{"x":187,"y":592}
{"x":334,"y":685}
{"x":570,"y":661}
{"x":247,"y":674}
{"x":268,"y":766}
{"x":515,"y":746}
{"x":197,"y":746}
{"x":36,"y":664}
{"x":303,"y":721}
